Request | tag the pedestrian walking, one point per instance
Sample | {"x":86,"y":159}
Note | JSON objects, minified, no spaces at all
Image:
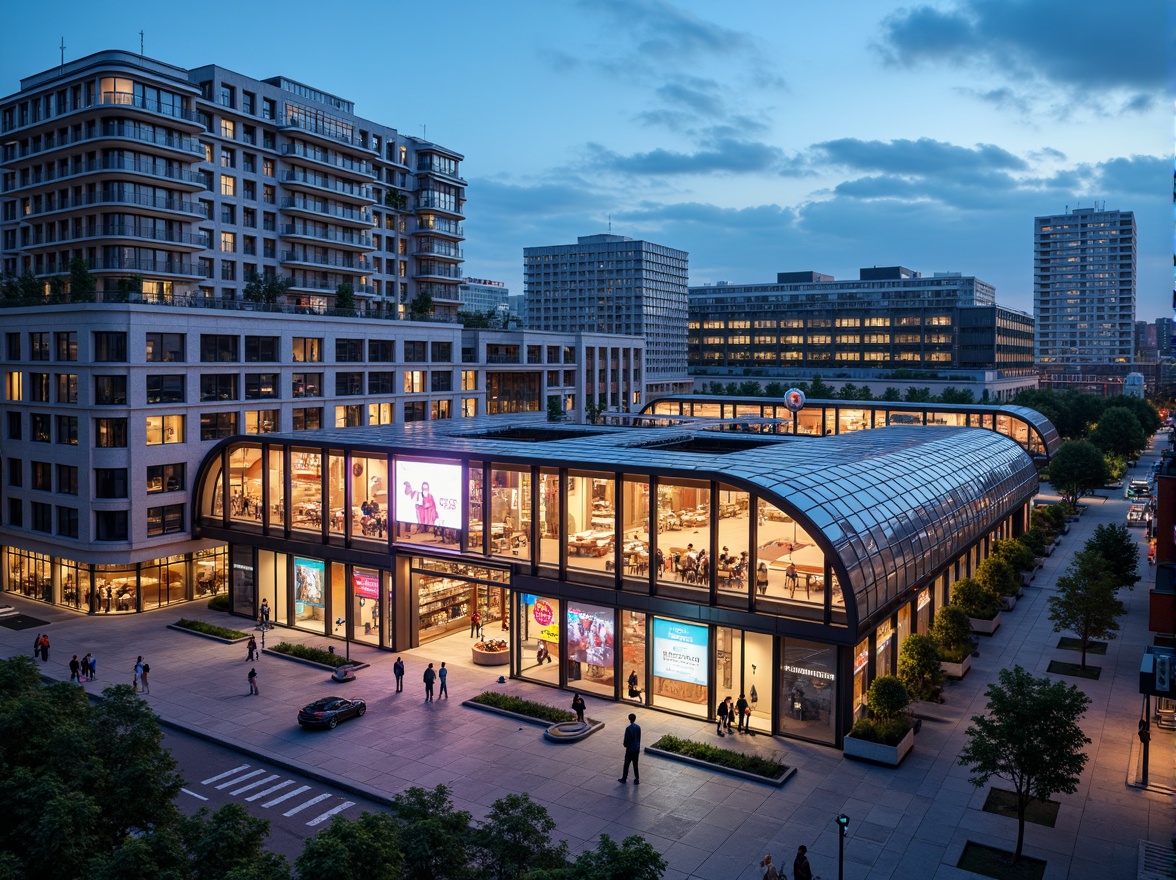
{"x":265,"y":614}
{"x":723,"y":713}
{"x":45,"y":647}
{"x":143,"y":678}
{"x":475,"y":623}
{"x":770,"y":872}
{"x":74,"y":667}
{"x":632,"y":743}
{"x":93,"y":667}
{"x":37,"y":646}
{"x":430,"y":677}
{"x":800,"y":865}
{"x":730,"y":714}
{"x":252,"y":683}
{"x":442,"y":674}
{"x":138,"y":674}
{"x":398,"y":671}
{"x":251,"y":650}
{"x":743,"y":713}
{"x":84,"y":669}
{"x":578,"y":707}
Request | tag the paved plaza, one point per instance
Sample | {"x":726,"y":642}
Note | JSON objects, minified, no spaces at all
{"x":907,"y":822}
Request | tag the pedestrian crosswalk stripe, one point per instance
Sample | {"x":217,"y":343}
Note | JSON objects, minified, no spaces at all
{"x":200,"y":796}
{"x":253,"y":785}
{"x":287,"y":796}
{"x":270,"y":790}
{"x":239,"y":779}
{"x":331,"y":812}
{"x":309,"y":803}
{"x":226,"y":773}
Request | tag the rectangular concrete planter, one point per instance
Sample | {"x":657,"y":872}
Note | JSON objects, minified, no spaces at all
{"x":878,"y":753}
{"x":985,"y":627}
{"x":1008,"y":603}
{"x":956,"y":670}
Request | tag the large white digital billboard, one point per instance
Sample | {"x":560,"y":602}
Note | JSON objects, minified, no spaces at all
{"x":429,"y":493}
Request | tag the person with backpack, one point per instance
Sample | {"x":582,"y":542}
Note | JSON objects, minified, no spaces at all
{"x":45,"y":647}
{"x":143,"y":678}
{"x":253,"y":691}
{"x":138,"y":674}
{"x":724,"y":716}
{"x":251,"y":650}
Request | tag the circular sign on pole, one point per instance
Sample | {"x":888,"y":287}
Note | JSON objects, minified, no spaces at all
{"x":794,"y":399}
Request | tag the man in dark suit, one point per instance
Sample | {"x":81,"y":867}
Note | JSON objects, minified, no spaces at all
{"x":632,"y":743}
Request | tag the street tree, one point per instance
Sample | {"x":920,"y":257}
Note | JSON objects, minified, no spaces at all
{"x":820,"y":390}
{"x":434,"y":837}
{"x":891,"y":394}
{"x":750,"y":388}
{"x":1077,"y":468}
{"x":1030,"y":737}
{"x":774,"y":389}
{"x":957,"y":395}
{"x":515,"y":838}
{"x":1086,"y":602}
{"x":917,"y":395}
{"x":1116,"y":544}
{"x":369,"y":848}
{"x":1119,"y":432}
{"x":634,"y":859}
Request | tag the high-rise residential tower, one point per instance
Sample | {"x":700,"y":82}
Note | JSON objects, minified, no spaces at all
{"x":1084,"y":290}
{"x":613,"y":284}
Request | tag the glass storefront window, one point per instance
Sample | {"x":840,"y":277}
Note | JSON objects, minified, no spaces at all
{"x":310,"y":594}
{"x":365,"y":585}
{"x":743,"y":661}
{"x":853,"y":420}
{"x":681,"y":663}
{"x":30,"y":574}
{"x":734,"y":572}
{"x":549,"y":537}
{"x":369,"y":495}
{"x":635,"y":551}
{"x":118,"y":587}
{"x":306,"y":492}
{"x":590,"y":655}
{"x":634,"y":681}
{"x":683,"y":534}
{"x":537,"y":635}
{"x":923,"y":612}
{"x":163,"y":582}
{"x":861,"y":677}
{"x":808,"y":689}
{"x":592,"y":537}
{"x":884,"y":639}
{"x":428,"y":500}
{"x":245,"y":501}
{"x":510,"y":512}
{"x":475,"y":518}
{"x":789,"y":566}
{"x":210,"y":570}
{"x":809,"y":421}
{"x":75,"y":585}
{"x":277,"y":488}
{"x":341,"y":511}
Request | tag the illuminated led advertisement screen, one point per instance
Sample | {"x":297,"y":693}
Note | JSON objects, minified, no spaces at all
{"x":309,"y":578}
{"x":429,"y":493}
{"x":679,"y":651}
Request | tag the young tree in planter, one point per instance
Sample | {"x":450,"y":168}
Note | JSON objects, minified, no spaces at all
{"x":1015,"y":553}
{"x":1030,"y":737}
{"x":1118,"y":547}
{"x":345,"y":298}
{"x":887,"y":700}
{"x":1086,"y":602}
{"x":1077,"y":468}
{"x":998,"y":576}
{"x":919,"y":669}
{"x":952,"y":633}
{"x":975,"y":599}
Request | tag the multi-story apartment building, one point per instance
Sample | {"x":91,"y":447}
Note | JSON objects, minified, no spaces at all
{"x":890,"y":318}
{"x":483,"y":297}
{"x":188,"y":183}
{"x":110,"y":408}
{"x":1084,"y":296}
{"x":613,"y":284}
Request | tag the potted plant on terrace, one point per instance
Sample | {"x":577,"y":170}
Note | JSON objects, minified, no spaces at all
{"x":887,"y":736}
{"x":1000,"y":577}
{"x":492,"y":652}
{"x":952,"y":634}
{"x":980,"y":604}
{"x":1017,"y":554}
{"x":919,"y":669}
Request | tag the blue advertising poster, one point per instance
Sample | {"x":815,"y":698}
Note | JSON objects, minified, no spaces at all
{"x":309,"y":581}
{"x":680,"y":651}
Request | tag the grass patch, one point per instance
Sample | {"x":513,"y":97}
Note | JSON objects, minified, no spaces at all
{"x":209,"y":629}
{"x":1066,"y":643}
{"x":1058,"y":667}
{"x":315,"y":655}
{"x":722,"y":757}
{"x":989,"y":861}
{"x":519,"y":706}
{"x":219,"y":602}
{"x":1004,"y":803}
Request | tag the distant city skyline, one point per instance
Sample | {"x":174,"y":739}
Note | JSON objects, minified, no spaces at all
{"x":768,"y":138}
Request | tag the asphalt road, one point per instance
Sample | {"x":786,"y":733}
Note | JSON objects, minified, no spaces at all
{"x":295,"y":806}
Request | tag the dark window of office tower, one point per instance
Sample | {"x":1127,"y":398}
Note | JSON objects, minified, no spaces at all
{"x":38,"y":346}
{"x":110,"y":390}
{"x":39,"y":427}
{"x":110,"y":347}
{"x":165,"y":520}
{"x":380,"y":351}
{"x":414,"y":411}
{"x":165,"y":348}
{"x":218,"y":387}
{"x":165,"y":478}
{"x":441,"y":380}
{"x":166,"y":389}
{"x":442,"y":352}
{"x":110,"y":483}
{"x":308,"y":419}
{"x":381,"y":382}
{"x":110,"y":525}
{"x":16,"y":512}
{"x":42,"y":476}
{"x":261,"y":348}
{"x":259,"y":386}
{"x":67,"y":430}
{"x":12,"y":346}
{"x":219,"y":348}
{"x":42,"y":517}
{"x":348,"y":384}
{"x":414,"y":352}
{"x":349,"y":351}
{"x":215,"y":426}
{"x":15,"y":472}
{"x":67,"y":479}
{"x":67,"y":346}
{"x":14,"y":426}
{"x":67,"y":522}
{"x":110,"y":433}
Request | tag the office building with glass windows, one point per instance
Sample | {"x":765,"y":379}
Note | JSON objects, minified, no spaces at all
{"x":669,"y":566}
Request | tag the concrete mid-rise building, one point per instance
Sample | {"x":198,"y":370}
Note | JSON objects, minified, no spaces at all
{"x":613,"y":284}
{"x":183,"y":184}
{"x":484,"y":297}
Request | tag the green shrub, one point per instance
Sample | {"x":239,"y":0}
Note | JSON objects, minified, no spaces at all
{"x":219,"y":602}
{"x":722,"y":757}
{"x":918,"y":667}
{"x":887,"y":697}
{"x":209,"y":629}
{"x":998,"y":576}
{"x":529,"y":708}
{"x":975,"y":599}
{"x":888,"y":731}
{"x":952,"y":633}
{"x":1015,"y":553}
{"x":1034,"y":539}
{"x":316,"y":655}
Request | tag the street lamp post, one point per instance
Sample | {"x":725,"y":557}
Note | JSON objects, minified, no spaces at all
{"x":842,"y":824}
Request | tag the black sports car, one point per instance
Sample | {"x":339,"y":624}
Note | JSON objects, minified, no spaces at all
{"x":329,"y":711}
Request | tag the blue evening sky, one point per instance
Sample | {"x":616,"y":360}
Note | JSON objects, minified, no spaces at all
{"x":759,"y":136}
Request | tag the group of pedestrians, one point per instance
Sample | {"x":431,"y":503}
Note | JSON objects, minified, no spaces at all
{"x":801,"y":870}
{"x":740,"y":713}
{"x":85,"y":669}
{"x":432,"y":678}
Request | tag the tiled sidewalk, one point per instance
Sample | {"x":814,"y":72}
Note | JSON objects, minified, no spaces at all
{"x":909,"y":822}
